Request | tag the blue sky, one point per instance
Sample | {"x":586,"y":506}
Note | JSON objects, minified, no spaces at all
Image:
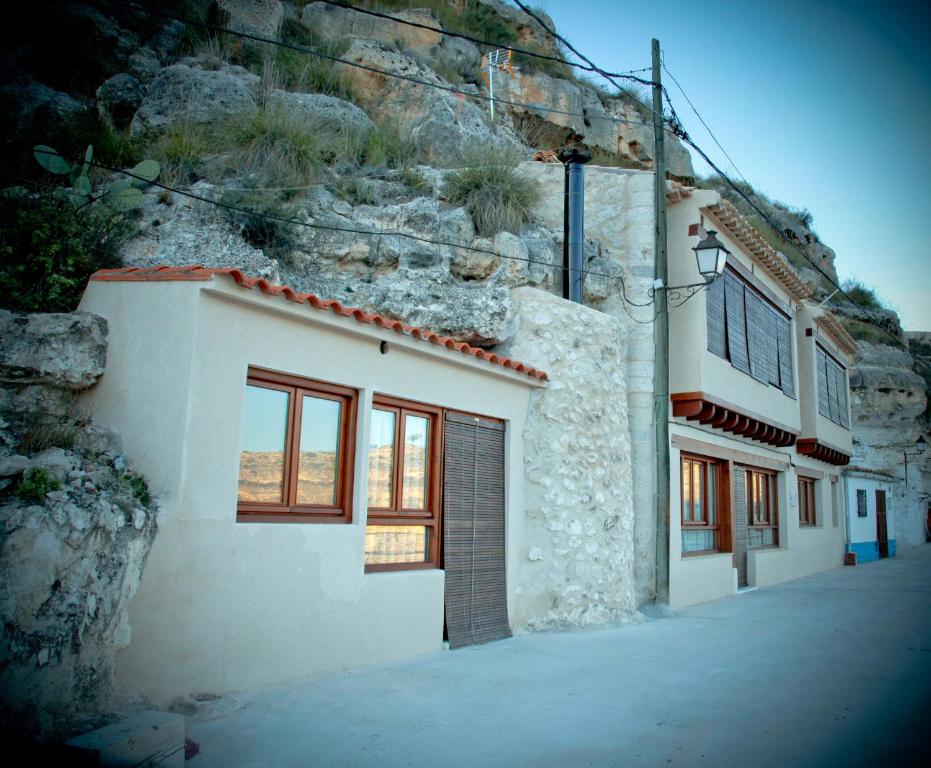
{"x":823,"y":105}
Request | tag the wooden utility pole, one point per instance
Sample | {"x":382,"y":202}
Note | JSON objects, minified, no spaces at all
{"x":660,"y":344}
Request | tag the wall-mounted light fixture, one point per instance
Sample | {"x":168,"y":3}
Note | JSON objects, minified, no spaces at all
{"x":711,"y":256}
{"x":920,"y":445}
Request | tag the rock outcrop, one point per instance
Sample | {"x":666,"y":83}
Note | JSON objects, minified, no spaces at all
{"x":76,"y":525}
{"x":332,"y":23}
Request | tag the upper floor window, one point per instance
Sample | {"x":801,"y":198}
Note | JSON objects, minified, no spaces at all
{"x":832,"y":389}
{"x":295,"y":461}
{"x":806,"y":501}
{"x":404,"y":485}
{"x":746,"y":329}
{"x":762,"y":508}
{"x":700,"y":516}
{"x":861,"y":503}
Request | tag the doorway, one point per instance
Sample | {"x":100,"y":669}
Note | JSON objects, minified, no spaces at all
{"x":882,"y":534}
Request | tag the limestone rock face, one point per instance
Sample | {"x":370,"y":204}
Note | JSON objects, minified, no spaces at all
{"x":199,"y":96}
{"x":578,"y":569}
{"x":182,"y":231}
{"x":441,"y":123}
{"x":119,"y":97}
{"x":318,"y":109}
{"x":333,"y":23}
{"x":261,"y":18}
{"x":64,"y":350}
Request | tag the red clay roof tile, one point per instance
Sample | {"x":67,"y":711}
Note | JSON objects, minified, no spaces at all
{"x":196,"y":272}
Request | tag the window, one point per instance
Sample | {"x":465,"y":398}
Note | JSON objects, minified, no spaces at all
{"x":404,"y":486}
{"x":750,"y":332}
{"x":861,"y":503}
{"x":295,"y":461}
{"x":762,"y":509}
{"x":832,"y":389}
{"x":700,"y":517}
{"x":806,"y":501}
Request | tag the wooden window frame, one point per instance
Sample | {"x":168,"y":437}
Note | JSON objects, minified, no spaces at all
{"x":807,"y":502}
{"x":772,"y":506}
{"x":396,"y":515}
{"x":708,"y":465}
{"x":290,"y":511}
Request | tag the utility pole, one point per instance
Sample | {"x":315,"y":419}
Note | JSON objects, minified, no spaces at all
{"x":660,"y":344}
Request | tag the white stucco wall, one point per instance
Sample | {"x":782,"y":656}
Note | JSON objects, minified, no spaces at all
{"x":863,"y":529}
{"x":226,"y":605}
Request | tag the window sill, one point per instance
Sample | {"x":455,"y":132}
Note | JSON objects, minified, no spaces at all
{"x":703,"y":553}
{"x":270,"y":517}
{"x":400,"y":567}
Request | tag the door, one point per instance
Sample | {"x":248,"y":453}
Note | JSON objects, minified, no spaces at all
{"x":882,"y":535}
{"x":739,"y":501}
{"x":473,"y":530}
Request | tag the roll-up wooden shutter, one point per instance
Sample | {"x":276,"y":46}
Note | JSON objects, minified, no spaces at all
{"x":739,"y":511}
{"x":736,"y":323}
{"x":756,"y":336}
{"x":784,"y":342}
{"x":717,"y":338}
{"x":772,"y":345}
{"x":473,"y":531}
{"x":833,"y":405}
{"x":824,"y":407}
{"x":842,"y":396}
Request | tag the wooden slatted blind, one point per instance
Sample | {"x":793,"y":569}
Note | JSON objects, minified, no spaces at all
{"x":717,"y":335}
{"x":757,"y":329}
{"x":736,"y":319}
{"x":739,"y":512}
{"x":473,"y":531}
{"x":784,"y":346}
{"x":823,"y":403}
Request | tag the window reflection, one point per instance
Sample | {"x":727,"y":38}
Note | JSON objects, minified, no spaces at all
{"x":395,"y":544}
{"x":261,"y":460}
{"x":381,"y":459}
{"x":318,"y":476}
{"x":416,"y":445}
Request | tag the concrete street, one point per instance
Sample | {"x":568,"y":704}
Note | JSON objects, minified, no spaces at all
{"x":830,"y":670}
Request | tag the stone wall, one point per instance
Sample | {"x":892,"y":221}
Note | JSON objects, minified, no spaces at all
{"x":619,"y":229}
{"x":76,"y":525}
{"x":578,"y":529}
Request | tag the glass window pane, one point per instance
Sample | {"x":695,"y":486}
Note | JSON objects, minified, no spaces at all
{"x":381,"y":458}
{"x":416,"y":450}
{"x":318,"y":467}
{"x":697,"y":540}
{"x":261,"y":458}
{"x":686,"y":489}
{"x":698,"y":491}
{"x":396,"y":544}
{"x":712,"y":494}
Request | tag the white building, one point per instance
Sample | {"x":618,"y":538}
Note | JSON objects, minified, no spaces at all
{"x":870,"y":514}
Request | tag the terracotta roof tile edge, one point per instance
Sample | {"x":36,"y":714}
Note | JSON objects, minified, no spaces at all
{"x":833,"y":327}
{"x":199,"y":272}
{"x":762,"y":251}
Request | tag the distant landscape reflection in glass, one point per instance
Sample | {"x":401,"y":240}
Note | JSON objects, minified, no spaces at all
{"x":261,"y":460}
{"x":381,"y":459}
{"x":416,"y":445}
{"x":318,"y":468}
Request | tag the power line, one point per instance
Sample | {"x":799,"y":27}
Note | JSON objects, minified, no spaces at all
{"x":707,"y":128}
{"x":329,"y":227}
{"x":377,"y":70}
{"x":492,"y":44}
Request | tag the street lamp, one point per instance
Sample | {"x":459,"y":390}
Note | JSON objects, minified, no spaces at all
{"x":920,"y":445}
{"x":711,"y":256}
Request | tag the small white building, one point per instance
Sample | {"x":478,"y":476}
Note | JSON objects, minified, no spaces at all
{"x":870,"y":514}
{"x":335,"y":488}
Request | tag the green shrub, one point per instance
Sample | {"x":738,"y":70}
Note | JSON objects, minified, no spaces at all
{"x":493,"y":189}
{"x":304,"y":72}
{"x":48,"y":250}
{"x":35,"y":484}
{"x":272,"y":235}
{"x":139,"y":488}
{"x":863,"y":294}
{"x":179,"y":151}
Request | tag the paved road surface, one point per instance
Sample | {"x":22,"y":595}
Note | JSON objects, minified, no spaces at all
{"x":830,"y":670}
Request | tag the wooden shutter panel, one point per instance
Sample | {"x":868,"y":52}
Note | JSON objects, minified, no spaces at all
{"x":833,"y":405}
{"x":714,"y":303}
{"x":736,"y":323}
{"x":473,"y":531}
{"x":739,"y":512}
{"x":756,"y":336}
{"x":842,"y":396}
{"x":824,"y":407}
{"x":784,"y":343}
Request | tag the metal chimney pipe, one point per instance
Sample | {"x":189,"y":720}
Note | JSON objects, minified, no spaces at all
{"x":573,"y":240}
